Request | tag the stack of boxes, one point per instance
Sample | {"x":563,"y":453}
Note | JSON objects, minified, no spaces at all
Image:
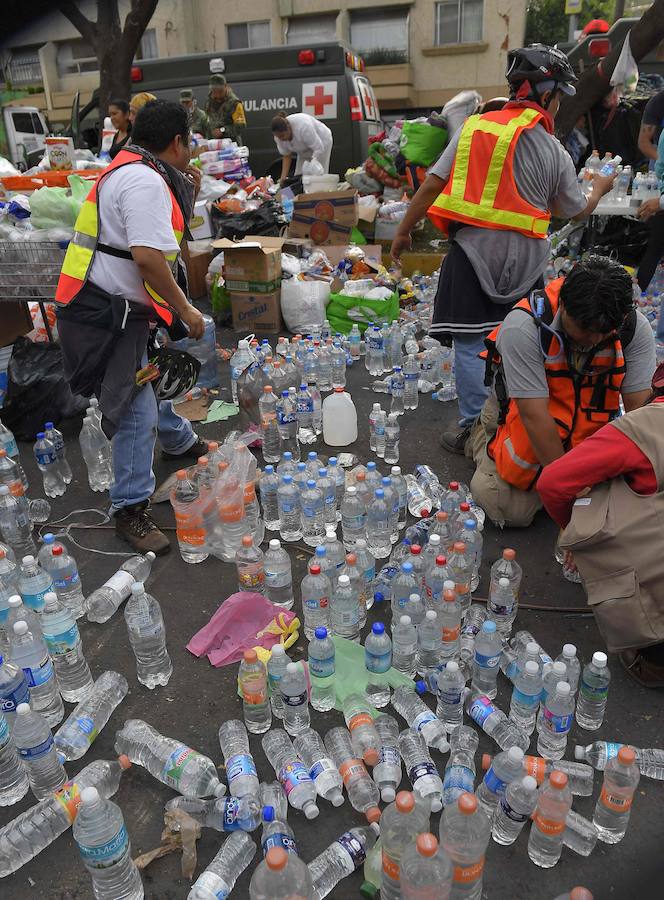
{"x":326,"y":218}
{"x":252,"y":272}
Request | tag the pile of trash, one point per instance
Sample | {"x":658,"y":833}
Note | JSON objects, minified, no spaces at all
{"x":225,"y":160}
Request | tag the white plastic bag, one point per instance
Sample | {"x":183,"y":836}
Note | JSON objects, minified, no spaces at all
{"x":626,"y":72}
{"x":303,"y":303}
{"x":312,"y":167}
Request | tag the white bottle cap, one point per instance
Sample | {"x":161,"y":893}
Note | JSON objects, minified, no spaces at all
{"x":352,"y":490}
{"x":243,"y":344}
{"x":579,"y":752}
{"x":599,"y":659}
{"x":344,"y":580}
{"x":563,"y":688}
{"x":503,"y":582}
{"x":406,"y":620}
{"x":434,"y":539}
{"x":278,"y":650}
{"x":452,"y":666}
{"x":28,"y":560}
{"x":151,"y":556}
{"x":448,"y":585}
{"x":89,"y":796}
{"x":23,"y":709}
{"x":531,"y":667}
{"x":20,"y":627}
{"x":4,"y":490}
{"x":569,"y":650}
{"x":361,"y":543}
{"x":376,"y":406}
{"x":275,"y":544}
{"x":291,"y":668}
{"x":515,"y":754}
{"x":331,"y":533}
{"x":50,"y":598}
{"x":532,"y":647}
{"x":137,"y":587}
{"x":396,"y":470}
{"x":15,"y":601}
{"x":529,"y":783}
{"x":560,"y":668}
{"x":414,"y":597}
{"x":431,"y":615}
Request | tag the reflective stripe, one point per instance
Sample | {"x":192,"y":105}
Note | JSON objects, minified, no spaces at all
{"x":475,"y":212}
{"x":507,"y":444}
{"x":88,"y":241}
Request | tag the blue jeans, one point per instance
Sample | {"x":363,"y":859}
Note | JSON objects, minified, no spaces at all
{"x":133,"y":446}
{"x":469,"y":370}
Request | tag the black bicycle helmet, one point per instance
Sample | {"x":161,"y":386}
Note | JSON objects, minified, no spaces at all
{"x":178,"y":372}
{"x":529,"y":66}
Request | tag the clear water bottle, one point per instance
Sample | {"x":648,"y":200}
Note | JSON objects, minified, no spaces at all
{"x":488,"y":648}
{"x":316,"y":590}
{"x":514,"y":809}
{"x":505,"y":768}
{"x":322,"y":769}
{"x":593,"y":693}
{"x":267,"y":409}
{"x":14,"y":783}
{"x":15,"y":524}
{"x":278,"y":575}
{"x":279,"y":876}
{"x":343,"y":857}
{"x":580,"y":835}
{"x":276,"y":831}
{"x":345,"y":610}
{"x":190,"y":526}
{"x":378,"y":526}
{"x":614,"y":806}
{"x":650,"y":761}
{"x":240,"y":361}
{"x":374,"y":359}
{"x":173,"y":763}
{"x":88,"y":718}
{"x":220,"y":876}
{"x":392,"y":434}
{"x":252,"y":681}
{"x":291,"y":772}
{"x":312,"y":508}
{"x":387,"y":771}
{"x":421,"y":769}
{"x":337,"y":475}
{"x":102,"y":603}
{"x":56,"y":438}
{"x":459,"y":777}
{"x":249,"y":563}
{"x":354,"y":341}
{"x":404,"y":647}
{"x":294,"y":699}
{"x":322,"y":670}
{"x":327,"y":485}
{"x":29,"y":651}
{"x":507,"y":567}
{"x":554,"y":800}
{"x":572,"y":665}
{"x":426,"y":870}
{"x":400,"y":825}
{"x":366,"y":565}
{"x":353,"y":518}
{"x":96,"y":451}
{"x":429,"y":644}
{"x":14,"y":688}
{"x":362,"y":792}
{"x":579,"y":776}
{"x":147,"y":636}
{"x":420,"y":718}
{"x":376,"y":411}
{"x":502,"y":606}
{"x":450,"y":694}
{"x":363,"y":734}
{"x":495,"y":723}
{"x":472,"y":538}
{"x":63,"y":641}
{"x":338,"y":360}
{"x":63,"y":570}
{"x":34,"y":583}
{"x":461,"y":567}
{"x":288,"y":425}
{"x":304,"y":411}
{"x":267,"y":487}
{"x":47,"y":461}
{"x":276,"y":669}
{"x":397,"y":389}
{"x":289,"y":510}
{"x":240,"y":765}
{"x":526,"y":697}
{"x":221,"y":813}
{"x":8,"y":588}
{"x":465,"y":830}
{"x":411,"y":371}
{"x":8,"y":444}
{"x":449,"y":617}
{"x":34,"y":741}
{"x":378,"y":662}
{"x":103,"y":842}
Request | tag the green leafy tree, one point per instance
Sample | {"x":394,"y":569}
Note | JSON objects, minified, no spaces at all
{"x":547,"y":23}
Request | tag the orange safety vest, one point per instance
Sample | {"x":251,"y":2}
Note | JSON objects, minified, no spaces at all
{"x":83,"y":246}
{"x":481,"y":190}
{"x":580,"y":402}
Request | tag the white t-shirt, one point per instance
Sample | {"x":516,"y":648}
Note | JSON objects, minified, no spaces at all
{"x":134,"y":211}
{"x":311,"y":140}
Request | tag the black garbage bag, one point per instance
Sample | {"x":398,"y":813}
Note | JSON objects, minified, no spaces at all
{"x":268,"y":219}
{"x":37,"y":391}
{"x":620,"y":238}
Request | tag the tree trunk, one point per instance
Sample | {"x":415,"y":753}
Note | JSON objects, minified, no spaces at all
{"x":595,"y":82}
{"x":618,"y":10}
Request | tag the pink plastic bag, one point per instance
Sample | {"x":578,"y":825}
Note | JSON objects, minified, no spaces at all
{"x":243,"y":621}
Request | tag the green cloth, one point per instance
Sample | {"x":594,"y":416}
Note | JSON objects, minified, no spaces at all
{"x":343,"y":312}
{"x":219,"y":411}
{"x":220,"y":115}
{"x":421,"y":143}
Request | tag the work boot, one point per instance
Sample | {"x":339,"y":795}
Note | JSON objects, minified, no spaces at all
{"x":135,"y":526}
{"x":455,"y":441}
{"x":198,"y":448}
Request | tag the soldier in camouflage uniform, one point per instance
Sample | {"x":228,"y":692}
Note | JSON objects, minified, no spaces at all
{"x":224,"y":111}
{"x":198,"y":121}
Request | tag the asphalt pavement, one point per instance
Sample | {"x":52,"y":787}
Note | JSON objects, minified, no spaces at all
{"x":198,"y":697}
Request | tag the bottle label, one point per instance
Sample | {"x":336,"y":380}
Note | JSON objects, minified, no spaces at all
{"x":279,"y":839}
{"x":525,"y":699}
{"x":556,"y":724}
{"x":422,"y":719}
{"x":391,"y":868}
{"x":239,"y":765}
{"x":613,"y":802}
{"x":487,"y":662}
{"x":67,"y":582}
{"x":450,"y":698}
{"x":467,"y":874}
{"x":41,"y":674}
{"x":493,"y":783}
{"x":63,"y":642}
{"x":108,"y":854}
{"x":512,"y":813}
{"x":548,"y":826}
{"x":410,"y":376}
{"x":471,"y":630}
{"x":345,"y":617}
{"x":321,"y":668}
{"x":390,"y":756}
{"x":360,"y":719}
{"x":189,"y":530}
{"x":369,"y":574}
{"x":36,"y":601}
{"x":294,"y":700}
{"x":421,"y":770}
{"x":594,"y":693}
{"x":121,"y":582}
{"x":320,"y":766}
{"x":499,"y":610}
{"x":377,"y":663}
{"x":316,"y":602}
{"x":253,"y":690}
{"x":459,"y":778}
{"x":251,"y":580}
{"x":352,"y":522}
{"x":4,"y":733}
{"x":353,"y":848}
{"x":287,"y":506}
{"x":175,"y":765}
{"x":310,"y":512}
{"x":402,"y":601}
{"x":45,"y":457}
{"x":451,"y":635}
{"x":231,"y":807}
{"x":37,"y":752}
{"x":535,"y":766}
{"x":69,"y":798}
{"x":480,"y":709}
{"x":611,"y":749}
{"x":20,"y":694}
{"x":10,"y":446}
{"x":350,"y":768}
{"x":291,"y":775}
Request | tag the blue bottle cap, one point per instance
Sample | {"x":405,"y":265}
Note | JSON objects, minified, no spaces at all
{"x":48,"y":426}
{"x":301,"y":466}
{"x":268,"y":471}
{"x":287,"y":479}
{"x":321,"y":633}
{"x":303,"y":387}
{"x":320,"y":551}
{"x":371,"y":465}
{"x":48,"y":538}
{"x":322,"y":473}
{"x":288,"y":455}
{"x":421,"y":687}
{"x":406,"y":541}
{"x":311,"y":483}
{"x":332,"y":461}
{"x":407,"y":567}
{"x":380,"y":493}
{"x":312,"y":454}
{"x":40,"y":435}
{"x":378,"y":628}
{"x":268,"y":814}
{"x":470,"y":524}
{"x":387,"y":481}
{"x":379,"y":597}
{"x":434,"y":396}
{"x":489,"y":627}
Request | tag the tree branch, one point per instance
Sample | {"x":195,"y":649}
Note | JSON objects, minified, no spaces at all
{"x":139,"y":15}
{"x":85,"y":27}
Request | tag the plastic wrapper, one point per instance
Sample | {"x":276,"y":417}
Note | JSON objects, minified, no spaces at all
{"x":312,"y":167}
{"x":52,"y":207}
{"x":39,"y":332}
{"x":303,"y":303}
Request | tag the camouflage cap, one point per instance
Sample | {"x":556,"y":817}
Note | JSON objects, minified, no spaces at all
{"x":186,"y":94}
{"x":217,"y":80}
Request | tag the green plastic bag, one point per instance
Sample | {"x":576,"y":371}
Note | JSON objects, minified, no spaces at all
{"x":421,"y":143}
{"x":343,"y":312}
{"x":350,"y":674}
{"x":58,"y":207}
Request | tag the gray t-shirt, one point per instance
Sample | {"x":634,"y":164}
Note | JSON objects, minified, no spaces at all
{"x":508,"y":263}
{"x":523,"y":359}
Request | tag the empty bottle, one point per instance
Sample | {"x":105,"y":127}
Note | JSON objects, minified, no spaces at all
{"x":13,"y":688}
{"x":14,"y":782}
{"x":240,"y":361}
{"x":62,"y":568}
{"x":554,"y":800}
{"x":505,"y":768}
{"x":461,"y":567}
{"x":579,"y":776}
{"x":29,"y":651}
{"x":450,"y":694}
{"x":338,"y":360}
{"x":343,"y":856}
{"x":459,"y":776}
{"x":420,"y":718}
{"x":222,"y":813}
{"x":429,"y":644}
{"x":288,"y":425}
{"x":449,"y":617}
{"x":411,"y":371}
{"x":495,"y":723}
{"x":378,"y":526}
{"x":378,"y":662}
{"x":387,"y":771}
{"x":322,"y":670}
{"x":220,"y":876}
{"x":288,"y":498}
{"x":276,"y":831}
{"x":353,"y":518}
{"x":103,"y":843}
{"x":322,"y":769}
{"x":34,"y":583}
{"x":373,"y":418}
{"x":96,"y":451}
{"x":345,"y":610}
{"x":281,"y":875}
{"x":47,"y":462}
{"x":312,"y":509}
{"x":291,"y":772}
{"x":10,"y":448}
{"x":88,"y":718}
{"x":63,"y":641}
{"x":613,"y":809}
{"x":173,"y":763}
{"x":526,"y":697}
{"x":267,"y":409}
{"x":392,"y":434}
{"x":362,"y":792}
{"x":554,"y":722}
{"x":359,"y":721}
{"x":403,"y":585}
{"x":293,"y":689}
{"x":147,"y":636}
{"x":426,"y":870}
{"x":514,"y":809}
{"x":580,"y":835}
{"x":267,"y":487}
{"x":278,"y":576}
{"x":465,"y":830}
{"x":56,"y":438}
{"x":593,"y":693}
{"x":472,"y":624}
{"x":404,"y":647}
{"x":420,"y":767}
{"x":650,"y":761}
{"x":34,"y":741}
{"x":397,"y":387}
{"x":252,"y":681}
{"x":240,"y":765}
{"x":15,"y":524}
{"x":102,"y":603}
{"x":400,"y":825}
{"x":276,"y":669}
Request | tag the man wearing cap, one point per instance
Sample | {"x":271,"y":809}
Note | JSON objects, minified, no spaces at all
{"x":224,"y":111}
{"x":198,"y":121}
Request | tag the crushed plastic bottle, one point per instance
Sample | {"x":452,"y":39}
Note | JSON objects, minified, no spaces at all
{"x":96,"y":451}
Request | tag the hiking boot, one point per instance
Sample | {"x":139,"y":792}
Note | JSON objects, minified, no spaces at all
{"x":455,"y":441}
{"x":135,"y":526}
{"x":645,"y":672}
{"x":198,"y":448}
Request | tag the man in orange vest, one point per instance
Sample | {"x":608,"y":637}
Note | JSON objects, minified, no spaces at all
{"x":560,"y":363}
{"x":493,"y":191}
{"x":121,"y":276}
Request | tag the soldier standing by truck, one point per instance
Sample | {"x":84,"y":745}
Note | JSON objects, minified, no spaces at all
{"x":224,"y":110}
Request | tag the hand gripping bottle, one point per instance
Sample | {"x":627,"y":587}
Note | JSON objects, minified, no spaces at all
{"x":465,"y":830}
{"x":554,"y":800}
{"x":63,"y":641}
{"x":14,"y":782}
{"x":593,"y":693}
{"x":147,"y":636}
{"x":74,"y":737}
{"x":514,"y":809}
{"x":322,"y":655}
{"x":614,"y":805}
{"x":459,"y":777}
{"x":451,"y":686}
{"x":252,"y":680}
{"x":426,"y":870}
{"x":322,"y":769}
{"x":495,"y":723}
{"x":421,"y":770}
{"x":175,"y":764}
{"x":280,"y":876}
{"x":505,"y":768}
{"x":222,"y":813}
{"x":400,"y":824}
{"x":240,"y":765}
{"x":387,"y":771}
{"x":554,"y":722}
{"x":420,"y":718}
{"x":650,"y":761}
{"x":360,"y":723}
{"x":291,"y":772}
{"x":343,"y":857}
{"x":362,"y":792}
{"x":219,"y":878}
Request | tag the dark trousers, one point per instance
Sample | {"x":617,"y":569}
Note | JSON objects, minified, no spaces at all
{"x":654,"y":251}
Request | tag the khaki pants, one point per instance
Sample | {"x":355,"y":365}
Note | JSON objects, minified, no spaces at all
{"x":503,"y":504}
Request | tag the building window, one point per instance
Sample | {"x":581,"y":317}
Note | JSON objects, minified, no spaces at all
{"x":249,"y":35}
{"x":24,"y":67}
{"x":311,"y":29}
{"x":76,"y":56}
{"x":147,"y":49}
{"x":459,"y":21}
{"x":380,"y":35}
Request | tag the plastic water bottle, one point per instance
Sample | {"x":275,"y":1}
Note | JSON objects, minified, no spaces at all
{"x":267,"y":487}
{"x":505,"y":768}
{"x":425,"y":870}
{"x":219,"y":878}
{"x":459,"y":777}
{"x":173,"y":763}
{"x":313,"y":514}
{"x":221,"y":813}
{"x":593,"y":693}
{"x":34,"y":583}
{"x":580,"y":835}
{"x":267,"y":410}
{"x":30,"y":652}
{"x":420,"y":767}
{"x":252,"y":681}
{"x":502,"y":607}
{"x":472,"y":538}
{"x":650,"y":761}
{"x":316,"y":590}
{"x":392,"y":434}
{"x":449,"y":617}
{"x":15,"y":524}
{"x":375,"y":413}
{"x":278,"y":576}
{"x":13,"y":688}
{"x":465,"y":830}
{"x":345,"y":610}
{"x":411,"y":371}
{"x":280,"y":876}
{"x":240,"y":361}
{"x":337,"y":475}
{"x":96,"y":451}
{"x":62,"y":568}
{"x":103,"y":842}
{"x":56,"y":438}
{"x":488,"y":647}
{"x":404,"y":647}
{"x":240,"y":765}
{"x":47,"y":461}
{"x":451,"y":686}
{"x":495,"y":723}
{"x":147,"y":636}
{"x":400,"y":825}
{"x":353,"y":518}
{"x":326,"y":484}
{"x":525,"y":697}
{"x":354,"y":341}
{"x":507,"y":567}
{"x":429,"y":644}
{"x":514,"y":809}
{"x":276,"y":831}
{"x":14,"y":782}
{"x":8,"y":444}
{"x":397,"y":389}
{"x":288,"y":425}
{"x":579,"y":776}
{"x":378,"y":661}
{"x":363,"y":734}
{"x":103,"y":603}
{"x":88,"y":718}
{"x":461,"y":567}
{"x":572,"y":666}
{"x":613,"y":808}
{"x":420,"y":718}
{"x":378,"y":526}
{"x":387,"y":771}
{"x":362,"y":792}
{"x":343,"y":857}
{"x":63,"y":641}
{"x":338,"y":361}
{"x":289,"y":510}
{"x":322,"y":670}
{"x":33,"y":739}
{"x":554,"y":800}
{"x":322,"y":769}
{"x":291,"y":772}
{"x":293,"y":689}
{"x":249,"y":563}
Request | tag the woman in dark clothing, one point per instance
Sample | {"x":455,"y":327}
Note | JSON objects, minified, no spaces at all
{"x":118,"y":111}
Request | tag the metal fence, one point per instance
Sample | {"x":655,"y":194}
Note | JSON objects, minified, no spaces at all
{"x":29,"y":270}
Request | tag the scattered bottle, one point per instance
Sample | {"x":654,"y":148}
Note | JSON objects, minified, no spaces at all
{"x":9,"y":446}
{"x":554,"y":800}
{"x":280,"y":876}
{"x":63,"y":570}
{"x":387,"y":771}
{"x":267,"y":487}
{"x":29,"y":651}
{"x":426,"y":871}
{"x":278,"y":575}
{"x":429,"y":644}
{"x":420,"y":718}
{"x":276,"y":831}
{"x":345,"y":610}
{"x":378,"y":526}
{"x":47,"y":462}
{"x":291,"y":772}
{"x":465,"y":830}
{"x":353,"y":518}
{"x":459,"y":777}
{"x":593,"y":693}
{"x":249,"y":563}
{"x":404,"y":647}
{"x":505,"y":768}
{"x":613,"y":809}
{"x":267,"y":409}
{"x":580,"y":835}
{"x":495,"y":723}
{"x":222,"y":813}
{"x":102,"y":603}
{"x":400,"y":825}
{"x":378,"y":662}
{"x":514,"y":809}
{"x":63,"y":641}
{"x":570,"y":659}
{"x":34,"y":583}
{"x":56,"y":438}
{"x":472,"y":624}
{"x":392,"y":434}
{"x":362,"y":792}
{"x":554,"y":722}
{"x":451,"y":685}
{"x":526,"y":697}
{"x":13,"y":688}
{"x":322,"y":769}
{"x":15,"y":524}
{"x":90,"y":715}
{"x":650,"y":761}
{"x":276,"y":669}
{"x":421,"y":769}
{"x":252,"y":681}
{"x":34,"y":741}
{"x":240,"y":766}
{"x":14,"y":783}
{"x":147,"y":636}
{"x":293,"y":689}
{"x":322,"y":670}
{"x":191,"y":531}
{"x":343,"y":856}
{"x":96,"y":451}
{"x":360,"y":723}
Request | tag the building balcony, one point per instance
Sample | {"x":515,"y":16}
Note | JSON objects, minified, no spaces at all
{"x":393,"y":84}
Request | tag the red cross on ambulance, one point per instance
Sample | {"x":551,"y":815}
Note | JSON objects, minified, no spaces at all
{"x":319,"y":99}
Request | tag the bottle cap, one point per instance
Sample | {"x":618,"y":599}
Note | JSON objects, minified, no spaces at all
{"x":387,"y":794}
{"x":320,"y":551}
{"x":449,"y":596}
{"x":470,"y":524}
{"x":287,"y":479}
{"x":351,"y":559}
{"x":563,"y":689}
{"x":557,"y":779}
{"x":532,"y":647}
{"x":4,"y":490}
{"x":421,"y":687}
{"x":275,"y":544}
{"x":449,"y":585}
{"x":378,"y":628}
{"x":515,"y":754}
{"x":28,"y":560}
{"x":291,"y":668}
{"x":268,"y":814}
{"x":579,"y":752}
{"x":531,"y":667}
{"x":407,"y":567}
{"x":396,"y":470}
{"x":15,"y":601}
{"x":370,"y":756}
{"x":504,"y":583}
{"x":559,"y":668}
{"x":314,"y":570}
{"x":599,"y":659}
{"x":23,"y":709}
{"x":569,"y":650}
{"x":311,"y":483}
{"x":352,"y":490}
{"x":380,"y":493}
{"x":465,"y":506}
{"x":508,"y":553}
{"x":344,"y":580}
{"x":2,"y":554}
{"x":137,"y":587}
{"x":310,"y":810}
{"x":405,"y":802}
{"x":48,"y":426}
{"x":361,"y":543}
{"x":486,"y":761}
{"x":50,"y":599}
{"x":202,"y":461}
{"x":3,"y":453}
{"x":379,"y":597}
{"x":40,"y":435}
{"x":373,"y":813}
{"x":426,"y":844}
{"x":454,"y":485}
{"x":250,"y":656}
{"x":529,"y":783}
{"x":452,"y":666}
{"x":278,"y":650}
{"x":287,"y":455}
{"x":20,"y":627}
{"x":338,"y":389}
{"x":125,"y":762}
{"x":415,"y":549}
{"x":626,"y":755}
{"x":322,"y":473}
{"x":181,"y":474}
{"x":489,"y":627}
{"x":405,"y":620}
{"x":276,"y":859}
{"x":431,"y":615}
{"x":580,"y":893}
{"x":467,"y":803}
{"x":48,"y":538}
{"x":321,"y":633}
{"x":459,"y":547}
{"x":247,"y":541}
{"x":441,"y":516}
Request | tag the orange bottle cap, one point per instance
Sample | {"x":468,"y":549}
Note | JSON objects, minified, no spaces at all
{"x":558,"y":780}
{"x":370,"y":756}
{"x":247,"y":540}
{"x":373,"y":814}
{"x":250,"y":656}
{"x":125,"y":762}
{"x":276,"y":858}
{"x":486,"y":761}
{"x":405,"y":802}
{"x":626,"y":755}
{"x":427,"y":845}
{"x":508,"y":553}
{"x":467,"y":803}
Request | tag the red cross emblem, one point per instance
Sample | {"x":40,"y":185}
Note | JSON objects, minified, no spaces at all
{"x":320,"y":99}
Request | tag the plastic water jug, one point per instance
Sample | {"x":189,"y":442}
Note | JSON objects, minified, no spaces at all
{"x":339,"y":419}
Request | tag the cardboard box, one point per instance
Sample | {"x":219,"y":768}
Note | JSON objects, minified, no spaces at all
{"x":320,"y":232}
{"x":294,"y":246}
{"x":60,"y":151}
{"x":340,"y":207}
{"x":197,"y":266}
{"x":250,"y":260}
{"x":257,"y":312}
{"x":200,"y":224}
{"x":253,"y":287}
{"x":15,"y":321}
